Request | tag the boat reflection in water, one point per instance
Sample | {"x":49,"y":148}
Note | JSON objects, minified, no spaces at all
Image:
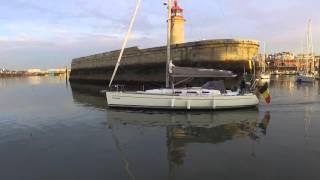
{"x":263,"y":125}
{"x":186,"y":129}
{"x":182,"y":119}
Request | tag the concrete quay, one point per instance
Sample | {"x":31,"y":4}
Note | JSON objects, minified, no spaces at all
{"x":148,"y":65}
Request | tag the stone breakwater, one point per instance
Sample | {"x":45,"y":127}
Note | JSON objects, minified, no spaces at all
{"x":148,"y":65}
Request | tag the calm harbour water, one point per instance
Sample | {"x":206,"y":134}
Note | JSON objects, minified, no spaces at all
{"x":52,"y":130}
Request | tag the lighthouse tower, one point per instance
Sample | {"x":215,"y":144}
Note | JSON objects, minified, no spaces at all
{"x":177,"y":24}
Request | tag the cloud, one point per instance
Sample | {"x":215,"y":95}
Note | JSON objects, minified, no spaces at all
{"x":51,"y":33}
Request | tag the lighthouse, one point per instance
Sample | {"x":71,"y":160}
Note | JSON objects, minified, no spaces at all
{"x":177,"y":24}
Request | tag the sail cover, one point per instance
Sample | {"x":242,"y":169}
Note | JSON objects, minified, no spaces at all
{"x":217,"y":85}
{"x":176,"y":71}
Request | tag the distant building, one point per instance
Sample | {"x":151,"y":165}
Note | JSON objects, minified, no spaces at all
{"x":317,"y":58}
{"x":51,"y":71}
{"x":4,"y":70}
{"x":34,"y":71}
{"x":290,"y":61}
{"x":282,"y":59}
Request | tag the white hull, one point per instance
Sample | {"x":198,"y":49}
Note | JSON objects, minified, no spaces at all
{"x":305,"y":78}
{"x":183,"y":102}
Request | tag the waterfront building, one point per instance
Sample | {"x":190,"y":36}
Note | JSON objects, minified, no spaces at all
{"x":317,"y":59}
{"x":33,"y":71}
{"x":283,"y":61}
{"x":52,"y":71}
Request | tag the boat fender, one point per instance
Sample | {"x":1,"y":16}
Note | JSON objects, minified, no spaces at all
{"x":213,"y":104}
{"x":172,"y":102}
{"x":189,"y":104}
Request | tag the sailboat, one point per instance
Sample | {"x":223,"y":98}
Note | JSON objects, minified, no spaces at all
{"x":264,"y":74}
{"x":211,"y":96}
{"x":308,"y":75}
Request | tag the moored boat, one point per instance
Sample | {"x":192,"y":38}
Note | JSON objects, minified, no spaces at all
{"x":305,"y":78}
{"x":308,"y":76}
{"x":206,"y":98}
{"x":264,"y":74}
{"x":189,"y":99}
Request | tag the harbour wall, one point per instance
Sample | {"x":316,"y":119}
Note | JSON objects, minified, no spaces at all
{"x":148,"y":65}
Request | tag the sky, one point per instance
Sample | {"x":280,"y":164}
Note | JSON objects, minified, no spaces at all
{"x":49,"y":34}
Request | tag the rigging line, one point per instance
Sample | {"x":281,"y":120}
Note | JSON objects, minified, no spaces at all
{"x":125,"y":40}
{"x":191,"y":29}
{"x":221,"y":12}
{"x":122,"y":155}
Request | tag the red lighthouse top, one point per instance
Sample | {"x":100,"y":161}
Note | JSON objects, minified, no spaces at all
{"x":176,"y":9}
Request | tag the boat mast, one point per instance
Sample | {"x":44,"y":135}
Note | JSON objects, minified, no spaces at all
{"x":125,"y":41}
{"x":168,"y":43}
{"x":309,"y":48}
{"x":264,"y":58}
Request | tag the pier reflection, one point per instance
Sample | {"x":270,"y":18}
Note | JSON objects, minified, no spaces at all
{"x":88,"y":95}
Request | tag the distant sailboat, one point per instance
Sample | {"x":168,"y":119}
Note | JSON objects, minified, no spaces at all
{"x":308,"y":74}
{"x":264,"y":74}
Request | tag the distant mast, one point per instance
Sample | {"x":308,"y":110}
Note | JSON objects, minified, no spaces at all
{"x":264,"y":55}
{"x":310,"y":51}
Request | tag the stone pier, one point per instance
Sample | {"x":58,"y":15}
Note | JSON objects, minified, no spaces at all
{"x":148,"y":65}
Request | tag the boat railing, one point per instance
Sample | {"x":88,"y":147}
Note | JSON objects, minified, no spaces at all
{"x":117,"y":87}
